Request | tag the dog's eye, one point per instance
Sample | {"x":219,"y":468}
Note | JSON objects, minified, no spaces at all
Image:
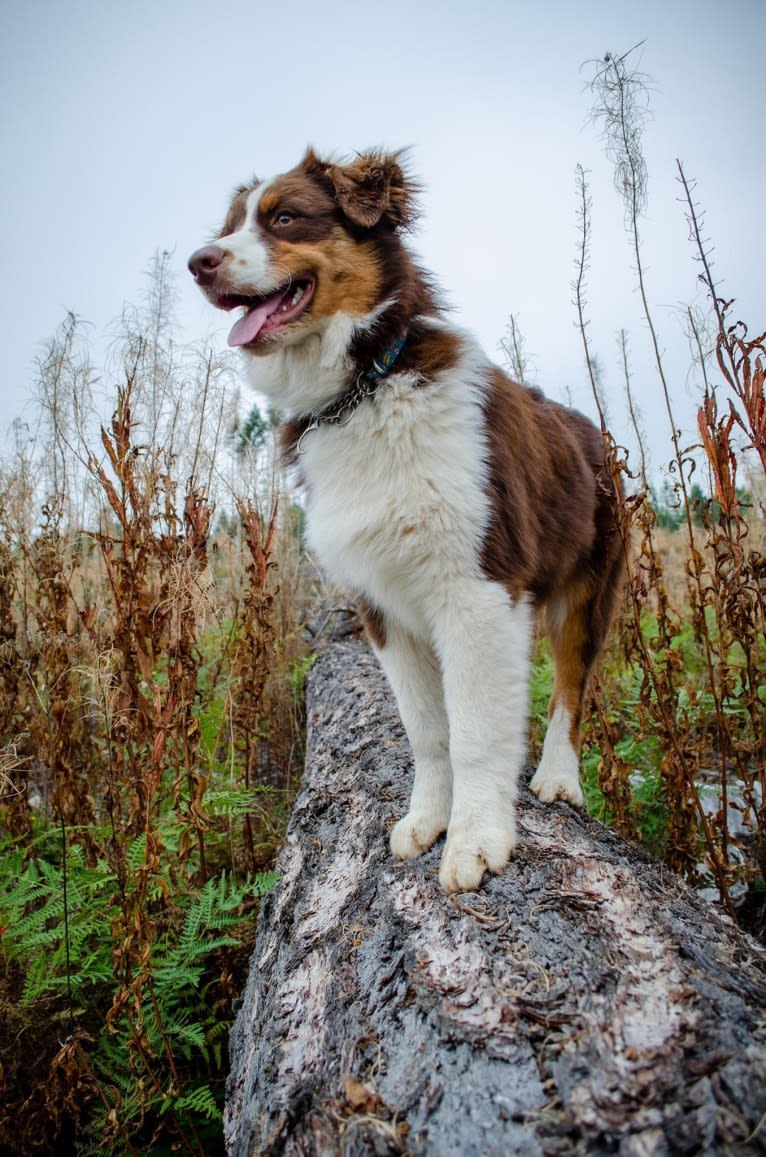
{"x":284,"y":219}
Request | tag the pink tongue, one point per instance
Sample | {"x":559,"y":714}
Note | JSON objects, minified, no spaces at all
{"x":250,"y":324}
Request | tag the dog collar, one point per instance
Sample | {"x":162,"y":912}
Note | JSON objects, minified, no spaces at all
{"x":340,"y":411}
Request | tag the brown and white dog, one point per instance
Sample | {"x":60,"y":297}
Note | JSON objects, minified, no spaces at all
{"x":451,"y":499}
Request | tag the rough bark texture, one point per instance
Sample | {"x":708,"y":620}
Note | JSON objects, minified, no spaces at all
{"x":584,"y":1002}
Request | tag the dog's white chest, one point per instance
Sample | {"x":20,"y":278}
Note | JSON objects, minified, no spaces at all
{"x":396,"y":500}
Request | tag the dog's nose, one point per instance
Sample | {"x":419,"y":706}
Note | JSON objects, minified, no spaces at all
{"x":204,"y":263}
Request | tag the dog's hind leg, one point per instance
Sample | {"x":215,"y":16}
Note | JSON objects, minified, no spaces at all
{"x":577,"y":621}
{"x":573,"y":651}
{"x":413,"y":671}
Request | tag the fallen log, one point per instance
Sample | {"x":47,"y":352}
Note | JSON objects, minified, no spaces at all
{"x":586,"y":1001}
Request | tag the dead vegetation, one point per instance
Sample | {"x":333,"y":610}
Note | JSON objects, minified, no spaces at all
{"x":694,"y":650}
{"x":150,"y":703}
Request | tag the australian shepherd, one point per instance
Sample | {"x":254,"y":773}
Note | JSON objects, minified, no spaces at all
{"x":452,"y":500}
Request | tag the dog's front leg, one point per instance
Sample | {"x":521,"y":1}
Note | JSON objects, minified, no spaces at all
{"x":413,"y":671}
{"x":484,"y":641}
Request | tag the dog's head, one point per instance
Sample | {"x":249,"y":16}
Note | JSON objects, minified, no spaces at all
{"x":300,"y":248}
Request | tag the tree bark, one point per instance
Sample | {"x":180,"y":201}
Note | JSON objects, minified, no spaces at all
{"x":586,"y":1001}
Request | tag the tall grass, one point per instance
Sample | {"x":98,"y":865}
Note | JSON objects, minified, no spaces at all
{"x":681,"y":722}
{"x":151,"y":730}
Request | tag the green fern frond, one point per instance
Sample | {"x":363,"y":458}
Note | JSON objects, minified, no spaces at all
{"x":201,"y":1101}
{"x":189,"y":1036}
{"x":262,"y":883}
{"x":232,"y":802}
{"x":136,"y":853}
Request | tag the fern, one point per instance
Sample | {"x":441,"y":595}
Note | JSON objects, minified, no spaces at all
{"x":217,"y":1038}
{"x":201,"y":1101}
{"x":232,"y":802}
{"x":136,"y":853}
{"x":187,"y":1034}
{"x":68,"y":962}
{"x":32,"y":909}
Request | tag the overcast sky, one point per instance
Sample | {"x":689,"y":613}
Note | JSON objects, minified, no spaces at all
{"x":126,"y":123}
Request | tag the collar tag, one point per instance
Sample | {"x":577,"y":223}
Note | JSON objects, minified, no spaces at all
{"x":379,"y":369}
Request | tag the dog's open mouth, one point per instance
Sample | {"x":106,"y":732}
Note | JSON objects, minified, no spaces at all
{"x":264,"y":315}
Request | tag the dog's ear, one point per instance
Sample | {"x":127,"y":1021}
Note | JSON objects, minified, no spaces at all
{"x":373,"y":187}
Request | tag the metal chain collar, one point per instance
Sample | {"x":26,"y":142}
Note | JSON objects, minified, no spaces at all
{"x":365,"y":386}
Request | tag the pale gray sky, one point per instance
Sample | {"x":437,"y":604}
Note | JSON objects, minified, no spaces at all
{"x":127,"y":122}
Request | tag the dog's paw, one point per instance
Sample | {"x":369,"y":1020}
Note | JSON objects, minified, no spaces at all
{"x":473,"y":849}
{"x":560,"y":780}
{"x":414,"y":834}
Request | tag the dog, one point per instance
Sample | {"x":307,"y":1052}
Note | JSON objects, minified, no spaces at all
{"x":454,"y":501}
